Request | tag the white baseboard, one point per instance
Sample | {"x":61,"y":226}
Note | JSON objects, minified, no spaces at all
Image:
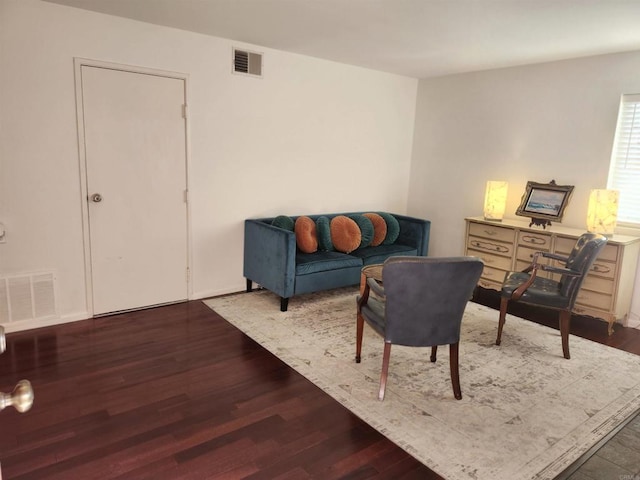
{"x":45,"y":322}
{"x":215,"y":293}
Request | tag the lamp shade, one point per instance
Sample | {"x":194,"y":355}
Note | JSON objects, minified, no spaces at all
{"x":495,"y":200}
{"x":602,"y":214}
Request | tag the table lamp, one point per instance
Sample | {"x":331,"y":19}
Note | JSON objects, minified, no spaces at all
{"x":495,"y":200}
{"x":602,"y":214}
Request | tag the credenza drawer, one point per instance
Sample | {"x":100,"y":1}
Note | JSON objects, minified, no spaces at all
{"x":564,"y":246}
{"x":525,"y":254}
{"x":490,"y":260}
{"x":484,"y":283}
{"x":491,"y":247}
{"x":601,"y":269}
{"x":593,"y":299}
{"x":598,"y":284}
{"x":521,"y":265}
{"x":538,"y":241}
{"x":493,"y":274}
{"x":492,"y":232}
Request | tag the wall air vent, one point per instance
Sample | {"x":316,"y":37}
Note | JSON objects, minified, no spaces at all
{"x":27,"y":297}
{"x":246,"y":62}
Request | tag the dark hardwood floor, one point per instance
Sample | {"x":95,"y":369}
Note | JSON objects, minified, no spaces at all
{"x":176,"y":392}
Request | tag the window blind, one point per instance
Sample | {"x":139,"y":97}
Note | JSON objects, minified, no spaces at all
{"x":624,"y":172}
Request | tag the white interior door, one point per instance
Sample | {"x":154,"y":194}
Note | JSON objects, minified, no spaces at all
{"x":135,"y":154}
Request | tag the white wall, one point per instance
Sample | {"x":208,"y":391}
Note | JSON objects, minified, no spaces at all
{"x":311,"y":136}
{"x":540,"y":122}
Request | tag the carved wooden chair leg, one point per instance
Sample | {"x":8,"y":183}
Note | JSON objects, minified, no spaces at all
{"x":565,"y":326}
{"x":359,"y":332}
{"x":455,"y":372}
{"x":385,"y":370}
{"x":434,"y":352}
{"x":503,"y":315}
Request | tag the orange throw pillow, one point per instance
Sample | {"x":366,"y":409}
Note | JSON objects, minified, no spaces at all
{"x":345,"y":234}
{"x":306,"y":237}
{"x":379,"y":228}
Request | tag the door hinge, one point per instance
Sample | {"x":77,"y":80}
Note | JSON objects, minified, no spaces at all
{"x":184,"y":110}
{"x":188,"y":275}
{"x":186,"y":196}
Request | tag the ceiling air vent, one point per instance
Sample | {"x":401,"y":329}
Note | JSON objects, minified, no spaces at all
{"x":247,"y":62}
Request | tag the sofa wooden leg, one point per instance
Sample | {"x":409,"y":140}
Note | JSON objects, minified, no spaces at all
{"x":284,"y":304}
{"x":249,"y":285}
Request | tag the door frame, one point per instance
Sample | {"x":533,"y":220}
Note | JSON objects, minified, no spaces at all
{"x":78,"y":63}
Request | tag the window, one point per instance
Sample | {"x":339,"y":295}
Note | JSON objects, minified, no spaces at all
{"x":624,"y":172}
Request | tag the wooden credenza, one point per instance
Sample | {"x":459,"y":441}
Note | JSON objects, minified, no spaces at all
{"x":509,"y":245}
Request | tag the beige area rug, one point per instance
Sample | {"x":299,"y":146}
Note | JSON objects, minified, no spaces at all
{"x":526,"y":412}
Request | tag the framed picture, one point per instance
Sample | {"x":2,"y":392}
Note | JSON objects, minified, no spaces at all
{"x":543,"y":202}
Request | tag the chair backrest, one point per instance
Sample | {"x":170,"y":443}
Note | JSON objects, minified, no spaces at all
{"x":580,"y":260}
{"x":426,"y":298}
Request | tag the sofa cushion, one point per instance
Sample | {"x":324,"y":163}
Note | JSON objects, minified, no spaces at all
{"x":323,"y":232}
{"x":366,"y":229}
{"x":345,"y":234}
{"x":306,"y":238}
{"x":282,"y":221}
{"x":379,"y":228}
{"x":393,"y":228}
{"x":307,"y":263}
{"x":379,"y":254}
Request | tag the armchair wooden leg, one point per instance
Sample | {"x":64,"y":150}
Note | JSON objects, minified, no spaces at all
{"x":284,"y":304}
{"x":565,"y":326}
{"x":359,"y":332}
{"x":455,"y":372}
{"x":434,"y":353}
{"x":504,"y":302}
{"x":385,"y":370}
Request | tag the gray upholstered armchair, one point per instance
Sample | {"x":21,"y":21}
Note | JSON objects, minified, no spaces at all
{"x":530,"y":286}
{"x":420,"y":304}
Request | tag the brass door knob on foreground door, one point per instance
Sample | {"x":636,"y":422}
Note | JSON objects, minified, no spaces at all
{"x":21,"y":398}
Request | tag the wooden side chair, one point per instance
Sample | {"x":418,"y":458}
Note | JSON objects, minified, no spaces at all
{"x":532,"y":287}
{"x":420,"y":304}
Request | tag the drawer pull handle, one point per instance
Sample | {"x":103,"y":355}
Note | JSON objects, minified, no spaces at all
{"x":490,"y":246}
{"x":533,"y":240}
{"x":600,"y":269}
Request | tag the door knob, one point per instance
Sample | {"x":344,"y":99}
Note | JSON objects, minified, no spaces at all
{"x":96,"y":197}
{"x":21,"y":398}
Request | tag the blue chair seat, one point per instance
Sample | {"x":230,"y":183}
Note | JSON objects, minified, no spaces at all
{"x":543,"y":291}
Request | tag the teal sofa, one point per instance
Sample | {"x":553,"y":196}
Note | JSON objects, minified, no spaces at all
{"x":273,"y":261}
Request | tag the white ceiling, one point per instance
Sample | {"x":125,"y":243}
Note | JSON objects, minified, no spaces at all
{"x":417,"y":38}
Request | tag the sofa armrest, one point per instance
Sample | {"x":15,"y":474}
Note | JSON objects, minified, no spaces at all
{"x":270,"y":257}
{"x":414,"y":232}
